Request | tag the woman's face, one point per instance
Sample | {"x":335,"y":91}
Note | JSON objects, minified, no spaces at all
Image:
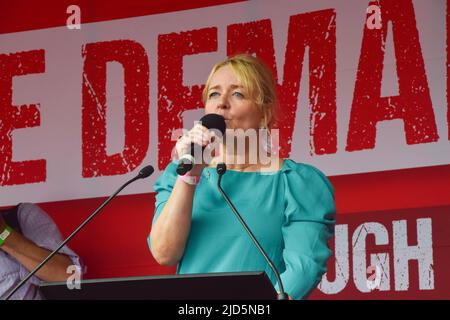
{"x":227,"y":97}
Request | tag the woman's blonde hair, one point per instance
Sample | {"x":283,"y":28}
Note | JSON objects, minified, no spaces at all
{"x":257,"y":79}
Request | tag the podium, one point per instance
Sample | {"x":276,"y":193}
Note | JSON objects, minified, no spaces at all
{"x":210,"y":286}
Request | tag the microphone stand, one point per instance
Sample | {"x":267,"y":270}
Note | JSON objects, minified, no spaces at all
{"x":221,"y":169}
{"x":144,"y":173}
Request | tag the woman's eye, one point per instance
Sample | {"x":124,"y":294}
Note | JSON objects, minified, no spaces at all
{"x":238,"y":94}
{"x":213,"y":94}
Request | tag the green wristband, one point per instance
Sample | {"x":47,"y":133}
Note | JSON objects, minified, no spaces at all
{"x":5,"y":234}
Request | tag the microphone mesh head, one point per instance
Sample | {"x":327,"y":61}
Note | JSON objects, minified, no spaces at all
{"x":221,"y":168}
{"x":214,"y":121}
{"x":146,"y":171}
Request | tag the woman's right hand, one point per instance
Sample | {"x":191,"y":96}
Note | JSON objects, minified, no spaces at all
{"x":201,"y":136}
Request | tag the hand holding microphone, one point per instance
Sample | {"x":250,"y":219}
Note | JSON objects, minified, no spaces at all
{"x":191,"y":147}
{"x":199,"y":136}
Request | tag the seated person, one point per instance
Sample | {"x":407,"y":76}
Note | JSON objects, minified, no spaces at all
{"x":24,"y":244}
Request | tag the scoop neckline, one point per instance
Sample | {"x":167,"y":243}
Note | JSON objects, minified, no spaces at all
{"x":283,"y":167}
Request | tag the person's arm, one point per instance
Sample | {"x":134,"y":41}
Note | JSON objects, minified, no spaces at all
{"x":29,"y":255}
{"x":171,"y":226}
{"x":171,"y":229}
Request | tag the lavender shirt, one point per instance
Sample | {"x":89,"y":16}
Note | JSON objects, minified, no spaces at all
{"x":38,"y":227}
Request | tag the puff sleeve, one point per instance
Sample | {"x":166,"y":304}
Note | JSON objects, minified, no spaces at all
{"x":309,"y":219}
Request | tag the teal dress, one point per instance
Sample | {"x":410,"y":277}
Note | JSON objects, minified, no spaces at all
{"x":291,"y":212}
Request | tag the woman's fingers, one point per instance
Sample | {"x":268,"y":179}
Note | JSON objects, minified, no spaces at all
{"x":198,"y":135}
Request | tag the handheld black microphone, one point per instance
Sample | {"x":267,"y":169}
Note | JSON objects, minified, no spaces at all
{"x":210,"y":121}
{"x":221,"y":169}
{"x":143,"y":173}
